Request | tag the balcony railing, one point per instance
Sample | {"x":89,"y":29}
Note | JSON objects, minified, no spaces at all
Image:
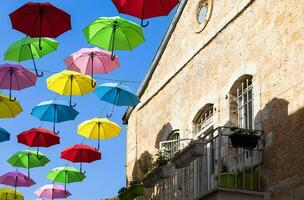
{"x":221,"y":166}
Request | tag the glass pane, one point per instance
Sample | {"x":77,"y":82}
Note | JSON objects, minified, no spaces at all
{"x":202,"y":13}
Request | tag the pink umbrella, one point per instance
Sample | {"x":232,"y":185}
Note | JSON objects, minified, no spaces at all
{"x":15,"y":77}
{"x":91,"y":61}
{"x":52,"y":192}
{"x":16,"y":179}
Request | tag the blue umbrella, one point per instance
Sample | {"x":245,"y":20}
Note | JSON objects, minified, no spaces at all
{"x":116,"y":94}
{"x":54,"y":111}
{"x":4,"y":135}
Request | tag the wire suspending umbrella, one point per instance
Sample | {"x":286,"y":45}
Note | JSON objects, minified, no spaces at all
{"x":114,"y":33}
{"x":9,"y":109}
{"x":54,"y":111}
{"x":9,"y":194}
{"x":91,"y":61}
{"x":40,"y":20}
{"x":116,"y":94}
{"x":81,"y":153}
{"x":4,"y":135}
{"x":15,"y":77}
{"x":99,"y":129}
{"x":28,"y":49}
{"x":52,"y":192}
{"x":16,"y":179}
{"x":145,"y":9}
{"x":38,"y":137}
{"x":70,"y":83}
{"x":28,"y":159}
{"x":65,"y":175}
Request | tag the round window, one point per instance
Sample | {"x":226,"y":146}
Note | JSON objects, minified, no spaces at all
{"x":202,"y":12}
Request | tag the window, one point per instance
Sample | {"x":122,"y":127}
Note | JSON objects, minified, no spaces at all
{"x":241,"y":103}
{"x":204,"y":119}
{"x":202,"y":14}
{"x":202,"y":11}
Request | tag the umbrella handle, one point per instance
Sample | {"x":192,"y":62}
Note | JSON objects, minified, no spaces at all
{"x":113,"y":56}
{"x":13,"y":98}
{"x":11,"y":83}
{"x":144,"y":24}
{"x":72,"y":105}
{"x":71,"y":91}
{"x":93,"y":84}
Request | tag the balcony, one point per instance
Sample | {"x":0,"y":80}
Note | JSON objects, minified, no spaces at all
{"x":213,"y":167}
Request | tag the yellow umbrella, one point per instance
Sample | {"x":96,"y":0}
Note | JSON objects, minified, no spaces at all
{"x":9,"y":194}
{"x":8,"y":108}
{"x":70,"y":83}
{"x":99,"y":129}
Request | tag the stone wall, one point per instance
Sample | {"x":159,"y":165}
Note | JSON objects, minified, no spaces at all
{"x":257,"y":37}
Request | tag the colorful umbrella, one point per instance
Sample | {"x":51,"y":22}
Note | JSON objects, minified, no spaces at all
{"x":81,"y":153}
{"x":16,"y":179}
{"x":40,"y":20}
{"x":28,"y":159}
{"x":114,"y":33}
{"x":9,"y":194}
{"x":38,"y":137}
{"x":4,"y":135}
{"x":15,"y":77}
{"x":70,"y":83}
{"x":8,"y":108}
{"x":65,"y":175}
{"x":116,"y":94}
{"x":144,"y":9}
{"x":28,"y":49}
{"x":52,"y":192}
{"x":54,"y":111}
{"x":91,"y":61}
{"x":99,"y":128}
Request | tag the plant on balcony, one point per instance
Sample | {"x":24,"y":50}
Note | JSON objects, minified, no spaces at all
{"x":135,"y":189}
{"x":228,"y":179}
{"x":183,"y":158}
{"x":248,"y":178}
{"x":243,"y":138}
{"x":161,"y":169}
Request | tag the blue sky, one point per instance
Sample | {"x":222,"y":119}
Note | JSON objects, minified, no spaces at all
{"x":105,"y":177}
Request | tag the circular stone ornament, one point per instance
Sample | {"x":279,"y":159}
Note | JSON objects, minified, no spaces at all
{"x":203,"y":14}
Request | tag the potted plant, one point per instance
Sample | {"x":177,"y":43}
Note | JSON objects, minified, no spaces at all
{"x":135,"y":189}
{"x":161,"y":169}
{"x":183,"y":158}
{"x":248,"y":179}
{"x":228,"y":179}
{"x":242,"y":138}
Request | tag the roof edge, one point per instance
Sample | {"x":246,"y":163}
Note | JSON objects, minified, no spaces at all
{"x":157,"y":57}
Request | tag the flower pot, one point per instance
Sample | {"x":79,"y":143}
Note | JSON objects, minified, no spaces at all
{"x":132,"y":192}
{"x":187,"y":155}
{"x":246,"y":141}
{"x":163,"y":172}
{"x":227,"y":179}
{"x":246,"y":179}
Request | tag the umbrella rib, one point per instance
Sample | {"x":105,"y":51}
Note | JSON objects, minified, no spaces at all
{"x":25,"y":74}
{"x":9,"y":109}
{"x":5,"y":73}
{"x":98,"y":32}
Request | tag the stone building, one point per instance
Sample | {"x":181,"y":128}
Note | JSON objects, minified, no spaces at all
{"x":223,"y":64}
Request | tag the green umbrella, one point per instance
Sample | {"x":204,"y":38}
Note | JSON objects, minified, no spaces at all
{"x":114,"y":33}
{"x":28,"y":49}
{"x":28,"y":159}
{"x":65,"y":175}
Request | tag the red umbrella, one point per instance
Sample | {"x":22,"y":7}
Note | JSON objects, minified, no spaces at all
{"x":40,"y":20}
{"x":144,"y":9}
{"x":81,"y":153}
{"x":38,"y":137}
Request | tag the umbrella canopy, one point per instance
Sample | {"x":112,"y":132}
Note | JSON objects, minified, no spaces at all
{"x":144,"y":9}
{"x":70,"y":83}
{"x":15,"y":77}
{"x":91,"y":61}
{"x":54,"y":111}
{"x":28,"y":159}
{"x":52,"y":192}
{"x":8,"y":108}
{"x":38,"y":137}
{"x":9,"y":194}
{"x":65,"y":175}
{"x":40,"y":20}
{"x":114,"y":33}
{"x":28,"y":49}
{"x":4,"y":135}
{"x":81,"y":153}
{"x":99,"y":129}
{"x":116,"y":94}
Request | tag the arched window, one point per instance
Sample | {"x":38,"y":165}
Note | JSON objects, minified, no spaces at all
{"x":203,"y":119}
{"x":241,"y":102}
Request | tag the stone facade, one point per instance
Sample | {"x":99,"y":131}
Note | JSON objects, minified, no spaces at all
{"x":261,"y":38}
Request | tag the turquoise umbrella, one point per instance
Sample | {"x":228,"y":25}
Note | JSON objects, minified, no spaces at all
{"x":4,"y":135}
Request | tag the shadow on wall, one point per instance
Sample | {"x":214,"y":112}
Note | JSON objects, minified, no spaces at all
{"x":284,"y":150}
{"x":163,"y":134}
